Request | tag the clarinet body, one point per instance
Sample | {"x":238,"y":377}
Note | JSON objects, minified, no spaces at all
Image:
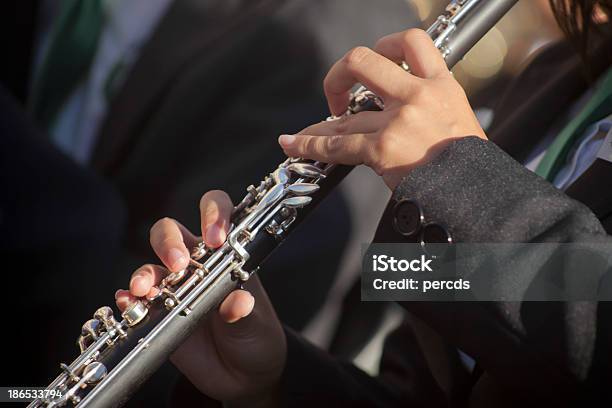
{"x":118,"y":356}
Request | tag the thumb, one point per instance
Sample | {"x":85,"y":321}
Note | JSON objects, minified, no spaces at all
{"x":237,"y":305}
{"x":242,"y":315}
{"x":234,"y":355}
{"x":256,"y":336}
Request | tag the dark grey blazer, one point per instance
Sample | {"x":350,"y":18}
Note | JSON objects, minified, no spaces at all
{"x":527,"y":354}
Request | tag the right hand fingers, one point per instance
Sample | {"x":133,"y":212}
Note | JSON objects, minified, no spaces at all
{"x":169,"y":239}
{"x":246,"y":353}
{"x":144,"y":278}
{"x":242,"y":314}
{"x":236,"y":305}
{"x":215,"y":212}
{"x":244,"y":325}
{"x":143,"y":283}
{"x":123,"y":299}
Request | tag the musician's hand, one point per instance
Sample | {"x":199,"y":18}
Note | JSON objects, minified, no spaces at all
{"x":238,"y":353}
{"x":424,"y":110}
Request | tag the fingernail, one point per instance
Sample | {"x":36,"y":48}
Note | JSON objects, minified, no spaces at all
{"x":117,"y":293}
{"x":252,"y":301}
{"x":286,"y":140}
{"x":215,"y":235}
{"x":176,"y":259}
{"x":135,"y":279}
{"x":152,"y":293}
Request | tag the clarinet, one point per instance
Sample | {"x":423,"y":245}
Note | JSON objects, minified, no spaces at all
{"x":116,"y":357}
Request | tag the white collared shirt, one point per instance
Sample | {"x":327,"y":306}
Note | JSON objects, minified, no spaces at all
{"x":128,"y":26}
{"x":582,"y":155}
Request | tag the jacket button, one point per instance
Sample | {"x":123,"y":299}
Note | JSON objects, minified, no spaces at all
{"x":407,"y":218}
{"x":435,"y":239}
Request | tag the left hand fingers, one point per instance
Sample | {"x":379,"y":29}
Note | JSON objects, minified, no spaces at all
{"x":350,"y":149}
{"x":364,"y":122}
{"x":417,"y":49}
{"x":362,"y":65}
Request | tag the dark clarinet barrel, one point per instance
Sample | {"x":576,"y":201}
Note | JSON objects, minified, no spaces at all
{"x":145,"y":358}
{"x":263,"y":245}
{"x":117,"y":388}
{"x":142,"y":365}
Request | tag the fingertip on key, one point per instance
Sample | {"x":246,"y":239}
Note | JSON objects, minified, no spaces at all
{"x":286,"y":140}
{"x":250,"y":304}
{"x":215,"y":236}
{"x":122,"y":299}
{"x":176,"y":259}
{"x":236,"y":306}
{"x":139,"y":285}
{"x":120,"y":293}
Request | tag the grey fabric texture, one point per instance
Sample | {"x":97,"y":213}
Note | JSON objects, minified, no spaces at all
{"x":531,"y":353}
{"x":483,"y":195}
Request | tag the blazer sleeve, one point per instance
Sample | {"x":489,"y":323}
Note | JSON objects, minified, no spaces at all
{"x":532,"y":351}
{"x":314,"y":377}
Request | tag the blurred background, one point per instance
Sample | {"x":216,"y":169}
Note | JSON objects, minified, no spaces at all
{"x":505,"y":49}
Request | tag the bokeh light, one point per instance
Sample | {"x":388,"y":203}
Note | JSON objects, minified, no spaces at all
{"x":504,"y":50}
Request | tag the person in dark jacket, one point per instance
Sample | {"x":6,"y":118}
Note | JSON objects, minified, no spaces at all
{"x":429,"y":148}
{"x":54,"y":229}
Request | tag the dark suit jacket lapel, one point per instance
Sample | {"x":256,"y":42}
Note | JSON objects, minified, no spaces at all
{"x":593,"y":188}
{"x":535,"y":100}
{"x":182,"y":33}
